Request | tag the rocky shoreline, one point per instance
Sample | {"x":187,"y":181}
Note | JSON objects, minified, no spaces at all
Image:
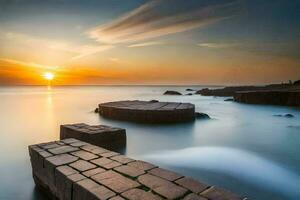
{"x":275,"y":94}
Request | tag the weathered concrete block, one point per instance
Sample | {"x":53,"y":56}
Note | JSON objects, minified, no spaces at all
{"x":105,"y":136}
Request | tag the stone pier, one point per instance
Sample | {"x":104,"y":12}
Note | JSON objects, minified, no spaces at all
{"x":71,"y":169}
{"x":148,"y":111}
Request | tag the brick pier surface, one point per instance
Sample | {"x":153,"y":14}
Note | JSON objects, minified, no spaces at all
{"x":71,"y":169}
{"x":148,"y":111}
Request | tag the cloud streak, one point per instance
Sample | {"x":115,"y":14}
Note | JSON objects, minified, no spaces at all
{"x":77,"y":50}
{"x":145,"y":44}
{"x":158,"y":18}
{"x":218,"y":45}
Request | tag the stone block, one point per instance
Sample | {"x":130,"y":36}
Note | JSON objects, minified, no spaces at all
{"x":162,"y":187}
{"x":63,"y":149}
{"x":93,"y":172}
{"x":82,"y":165}
{"x":193,"y":196}
{"x":115,"y":181}
{"x":84,"y":155}
{"x":89,"y":190}
{"x":105,"y":136}
{"x":63,"y":183}
{"x":166,"y":174}
{"x":129,"y":171}
{"x":191,"y":184}
{"x":51,"y":163}
{"x":109,"y":154}
{"x":106,"y":163}
{"x":142,"y":165}
{"x":138,"y":194}
{"x":214,"y":193}
{"x":117,"y":198}
{"x":122,"y":159}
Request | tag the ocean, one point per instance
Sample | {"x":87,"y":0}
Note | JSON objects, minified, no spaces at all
{"x":243,"y":148}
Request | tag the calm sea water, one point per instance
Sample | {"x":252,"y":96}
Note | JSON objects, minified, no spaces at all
{"x":244,"y":148}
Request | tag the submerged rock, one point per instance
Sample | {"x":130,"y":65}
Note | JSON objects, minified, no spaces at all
{"x":171,"y":92}
{"x":189,"y":94}
{"x":199,"y":115}
{"x":289,"y":115}
{"x":230,"y":99}
{"x":285,"y":115}
{"x":96,"y":110}
{"x":154,"y":101}
{"x":189,"y":89}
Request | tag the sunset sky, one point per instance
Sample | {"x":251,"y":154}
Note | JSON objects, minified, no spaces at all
{"x":149,"y":42}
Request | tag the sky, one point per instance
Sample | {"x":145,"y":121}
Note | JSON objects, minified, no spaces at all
{"x":208,"y":42}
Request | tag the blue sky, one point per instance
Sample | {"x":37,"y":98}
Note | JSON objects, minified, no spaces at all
{"x":218,"y":41}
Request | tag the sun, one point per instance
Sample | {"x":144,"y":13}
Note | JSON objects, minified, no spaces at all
{"x":48,"y":76}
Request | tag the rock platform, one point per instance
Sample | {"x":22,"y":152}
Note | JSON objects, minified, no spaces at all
{"x":148,"y":111}
{"x":71,"y":169}
{"x":112,"y":138}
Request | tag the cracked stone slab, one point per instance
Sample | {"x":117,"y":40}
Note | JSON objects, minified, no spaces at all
{"x":142,"y":165}
{"x":191,"y":184}
{"x":88,"y":189}
{"x":93,"y":172}
{"x":117,"y":198}
{"x":162,"y":187}
{"x":84,"y":155}
{"x":78,"y":144}
{"x":137,"y":194}
{"x":109,"y":154}
{"x":166,"y":174}
{"x":122,"y":159}
{"x":215,"y":193}
{"x":129,"y":171}
{"x":61,"y":159}
{"x":82,"y":165}
{"x":193,"y":196}
{"x":69,"y":140}
{"x":115,"y":181}
{"x":63,"y":183}
{"x":106,"y":163}
{"x":63,"y":149}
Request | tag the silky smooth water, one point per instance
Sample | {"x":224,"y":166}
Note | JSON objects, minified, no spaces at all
{"x":244,"y":148}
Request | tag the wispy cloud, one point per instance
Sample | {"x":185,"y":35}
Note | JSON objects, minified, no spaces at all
{"x":157,"y":18}
{"x":78,"y":51}
{"x":28,"y":64}
{"x":218,"y":45}
{"x":145,"y":44}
